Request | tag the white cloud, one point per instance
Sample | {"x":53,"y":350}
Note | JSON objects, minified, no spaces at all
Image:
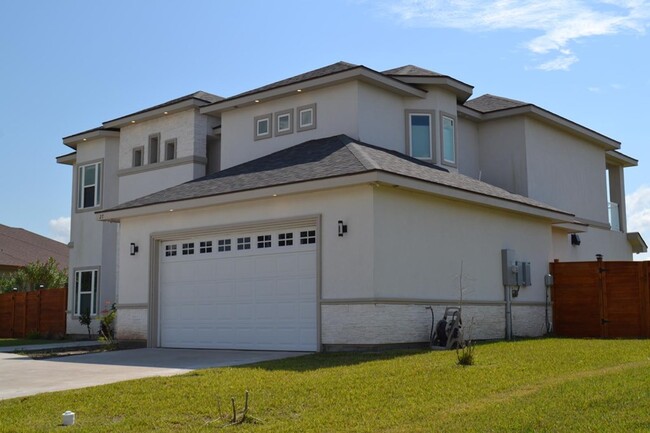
{"x":594,"y":89}
{"x":638,"y":215}
{"x":560,"y":22}
{"x":60,"y":229}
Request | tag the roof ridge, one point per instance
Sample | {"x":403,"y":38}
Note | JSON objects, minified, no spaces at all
{"x":358,"y":150}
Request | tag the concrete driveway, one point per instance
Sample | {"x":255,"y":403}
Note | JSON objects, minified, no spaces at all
{"x":21,"y":376}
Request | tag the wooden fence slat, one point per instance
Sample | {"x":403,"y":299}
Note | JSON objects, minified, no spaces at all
{"x":41,"y":311}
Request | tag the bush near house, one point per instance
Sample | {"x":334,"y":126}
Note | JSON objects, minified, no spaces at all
{"x":34,"y":275}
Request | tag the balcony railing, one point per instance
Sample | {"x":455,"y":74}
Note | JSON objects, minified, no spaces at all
{"x":614,"y":219}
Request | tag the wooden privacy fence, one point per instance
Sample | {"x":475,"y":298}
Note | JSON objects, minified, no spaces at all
{"x":601,"y":299}
{"x":41,"y":311}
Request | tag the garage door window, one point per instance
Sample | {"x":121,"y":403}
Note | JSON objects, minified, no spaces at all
{"x":223,"y":245}
{"x":264,"y":241}
{"x":285,"y":239}
{"x":308,"y":237}
{"x":170,"y":250}
{"x":188,"y":248}
{"x":244,"y":243}
{"x":205,"y":247}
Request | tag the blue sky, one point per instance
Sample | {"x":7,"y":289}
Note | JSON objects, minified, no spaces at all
{"x":66,"y":66}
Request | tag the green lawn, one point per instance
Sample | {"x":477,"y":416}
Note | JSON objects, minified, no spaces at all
{"x":554,"y":385}
{"x":7,"y":342}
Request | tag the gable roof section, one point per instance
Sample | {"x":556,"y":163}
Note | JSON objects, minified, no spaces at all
{"x":326,"y":158}
{"x":19,"y":247}
{"x":412,"y":70}
{"x":488,"y":107}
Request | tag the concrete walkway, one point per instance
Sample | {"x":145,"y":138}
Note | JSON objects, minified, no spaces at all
{"x":22,"y":376}
{"x":50,"y":346}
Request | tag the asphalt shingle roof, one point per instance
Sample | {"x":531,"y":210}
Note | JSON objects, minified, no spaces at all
{"x":19,"y":247}
{"x":324,"y":158}
{"x":412,"y":70}
{"x":487,"y":103}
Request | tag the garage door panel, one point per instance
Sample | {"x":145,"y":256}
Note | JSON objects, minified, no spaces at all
{"x":262,"y":298}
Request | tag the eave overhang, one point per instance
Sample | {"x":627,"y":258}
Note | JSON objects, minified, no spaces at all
{"x":376,"y":178}
{"x":636,"y":241}
{"x":618,"y":158}
{"x":155,"y":112}
{"x":73,"y":140}
{"x":360,"y":73}
{"x":545,"y":116}
{"x":67,"y":159}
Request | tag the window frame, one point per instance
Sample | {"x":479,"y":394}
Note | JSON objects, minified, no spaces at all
{"x":265,"y":117}
{"x":299,"y":126}
{"x":93,"y":292}
{"x":173,"y":142}
{"x":443,"y":160}
{"x":408,"y":114}
{"x":153,"y":154}
{"x":98,"y":193}
{"x":289,"y":130}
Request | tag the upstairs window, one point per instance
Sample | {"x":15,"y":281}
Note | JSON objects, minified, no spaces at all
{"x":89,"y":194}
{"x":448,"y":140}
{"x":154,"y":148}
{"x":284,"y":122}
{"x":306,"y":117}
{"x":170,"y":149}
{"x":419,"y":135}
{"x":138,"y":157}
{"x":263,"y":127}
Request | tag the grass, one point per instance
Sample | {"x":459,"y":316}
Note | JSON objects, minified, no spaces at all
{"x":8,"y":342}
{"x":553,"y":385}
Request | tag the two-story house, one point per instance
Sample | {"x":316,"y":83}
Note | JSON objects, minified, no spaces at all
{"x":328,"y":209}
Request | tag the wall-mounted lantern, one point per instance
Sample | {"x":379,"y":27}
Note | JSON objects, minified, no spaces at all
{"x":343,"y":228}
{"x":133,"y":249}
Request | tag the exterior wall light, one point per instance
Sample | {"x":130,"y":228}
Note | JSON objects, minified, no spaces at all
{"x":133,"y":249}
{"x":343,"y":228}
{"x":575,"y":239}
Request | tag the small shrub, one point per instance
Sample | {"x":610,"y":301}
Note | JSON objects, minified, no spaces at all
{"x":86,"y":320}
{"x":465,"y":354}
{"x":107,"y":323}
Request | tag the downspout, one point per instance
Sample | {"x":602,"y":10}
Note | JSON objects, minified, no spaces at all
{"x":508,"y":299}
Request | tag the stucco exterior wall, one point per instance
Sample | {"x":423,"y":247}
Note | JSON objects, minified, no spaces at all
{"x":93,"y":242}
{"x":468,"y":148}
{"x":381,"y":118}
{"x":140,"y":184}
{"x":336,"y":113}
{"x":502,"y":154}
{"x":566,"y":172}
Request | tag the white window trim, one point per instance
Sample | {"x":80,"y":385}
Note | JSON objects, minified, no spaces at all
{"x":94,"y":291}
{"x":278,"y":116}
{"x":442,"y":140}
{"x":98,"y":185}
{"x":432,"y":128}
{"x":300,"y":127}
{"x":256,"y":122}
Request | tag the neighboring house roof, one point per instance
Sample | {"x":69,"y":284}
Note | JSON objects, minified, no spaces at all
{"x":321,"y":159}
{"x":19,"y":247}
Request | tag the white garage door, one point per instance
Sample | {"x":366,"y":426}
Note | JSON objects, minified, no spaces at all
{"x":250,"y":290}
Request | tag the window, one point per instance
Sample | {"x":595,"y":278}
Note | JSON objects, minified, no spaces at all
{"x":448,"y":140}
{"x":263,"y":127}
{"x":264,"y":241}
{"x":205,"y":247}
{"x":89,"y":194}
{"x":170,"y":250}
{"x":188,"y":249}
{"x":306,"y":117}
{"x":419,"y":135}
{"x":85,"y":286}
{"x":138,"y":158}
{"x":308,"y":237}
{"x":154,"y":148}
{"x":170,"y":149}
{"x":284,"y":122}
{"x":244,"y":243}
{"x":285,"y":239}
{"x":223,"y":245}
